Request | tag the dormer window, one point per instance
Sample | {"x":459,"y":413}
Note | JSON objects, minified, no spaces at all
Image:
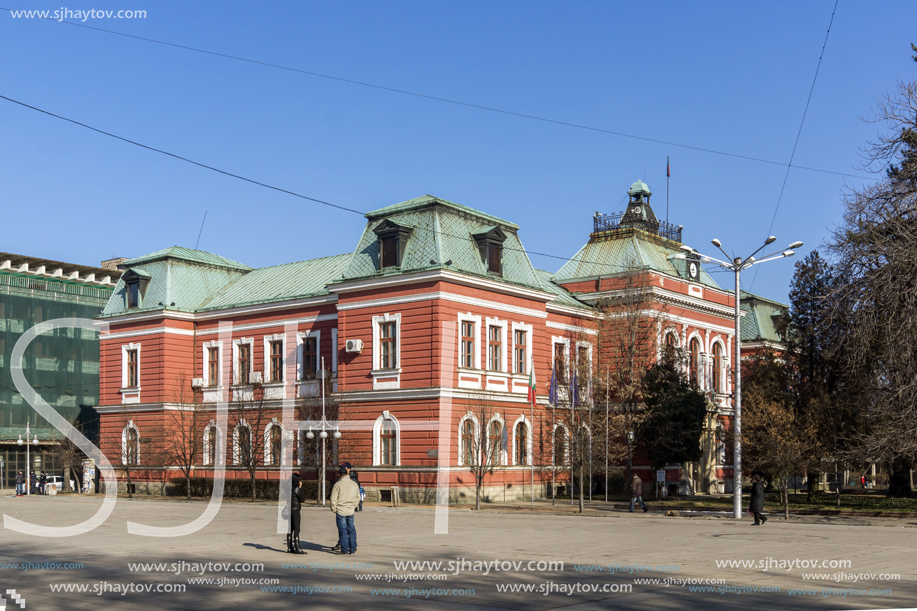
{"x":490,"y":245}
{"x":135,"y":283}
{"x":393,"y":239}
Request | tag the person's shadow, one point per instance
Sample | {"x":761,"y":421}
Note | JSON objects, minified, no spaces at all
{"x":305,"y":545}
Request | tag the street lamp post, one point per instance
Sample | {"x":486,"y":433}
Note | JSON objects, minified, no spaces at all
{"x":28,"y":433}
{"x":324,"y":427}
{"x":736,"y":266}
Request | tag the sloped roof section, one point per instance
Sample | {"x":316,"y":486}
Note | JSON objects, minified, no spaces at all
{"x":624,"y":250}
{"x":562,"y":295}
{"x":281,"y":282}
{"x":190,"y":255}
{"x":442,"y":236}
{"x":758,"y":323}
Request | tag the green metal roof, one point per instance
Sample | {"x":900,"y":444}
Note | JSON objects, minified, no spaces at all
{"x":187,"y":254}
{"x":442,"y":232}
{"x":639,"y":187}
{"x":281,"y":282}
{"x":563,"y":296}
{"x":760,"y":314}
{"x":426,"y":200}
{"x":625,"y":250}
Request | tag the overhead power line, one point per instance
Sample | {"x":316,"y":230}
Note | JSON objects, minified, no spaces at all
{"x":456,"y":102}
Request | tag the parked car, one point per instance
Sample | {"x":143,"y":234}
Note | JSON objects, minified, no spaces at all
{"x":56,"y":482}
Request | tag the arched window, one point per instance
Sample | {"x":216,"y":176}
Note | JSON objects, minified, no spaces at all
{"x":387,"y":440}
{"x":211,"y":434}
{"x":495,"y":443}
{"x":241,"y":444}
{"x":717,"y":367}
{"x":670,"y":343}
{"x":560,"y":445}
{"x":130,"y":444}
{"x":521,"y":443}
{"x":275,"y":445}
{"x":468,"y":442}
{"x":694,"y":362}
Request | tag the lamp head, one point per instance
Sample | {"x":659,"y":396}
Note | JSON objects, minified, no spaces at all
{"x":770,"y":240}
{"x":19,"y":441}
{"x":323,"y":434}
{"x":686,"y":248}
{"x":788,"y":253}
{"x":716,"y":243}
{"x":796,"y":244}
{"x":310,"y":435}
{"x":35,"y":441}
{"x":337,"y":434}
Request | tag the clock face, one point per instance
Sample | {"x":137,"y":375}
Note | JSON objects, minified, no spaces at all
{"x":692,"y":270}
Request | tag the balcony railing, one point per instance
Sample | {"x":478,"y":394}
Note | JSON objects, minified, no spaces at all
{"x":610,"y":222}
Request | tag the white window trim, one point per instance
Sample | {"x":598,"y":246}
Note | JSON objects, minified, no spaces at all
{"x":235,"y":357}
{"x":301,"y":357}
{"x":127,"y":427}
{"x":211,"y":428}
{"x":502,"y":459}
{"x":125,"y":348}
{"x":334,"y":351}
{"x":267,"y":440}
{"x":588,"y":346}
{"x":701,"y":369}
{"x":383,"y":374}
{"x":473,"y":318}
{"x":461,"y":443}
{"x":277,"y":337}
{"x":563,"y":393}
{"x":377,"y":439}
{"x":528,"y":440}
{"x":501,"y":324}
{"x":518,"y":326}
{"x":236,"y":450}
{"x":205,"y":349}
{"x":724,"y":365}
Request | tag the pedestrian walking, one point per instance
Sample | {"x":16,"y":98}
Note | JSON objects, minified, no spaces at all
{"x":636,"y":493}
{"x":756,"y":504}
{"x":42,"y":480}
{"x":345,"y":496}
{"x":20,"y":484}
{"x":297,"y":498}
{"x":33,"y":482}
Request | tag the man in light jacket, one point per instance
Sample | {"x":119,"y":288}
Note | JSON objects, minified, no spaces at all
{"x":345,"y":496}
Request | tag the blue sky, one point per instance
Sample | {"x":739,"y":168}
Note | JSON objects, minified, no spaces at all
{"x":732,"y":77}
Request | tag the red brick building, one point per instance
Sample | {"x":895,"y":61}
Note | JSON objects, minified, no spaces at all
{"x":436,"y":312}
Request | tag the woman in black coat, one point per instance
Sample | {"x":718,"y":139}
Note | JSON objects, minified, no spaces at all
{"x":296,"y":501}
{"x":756,"y":505}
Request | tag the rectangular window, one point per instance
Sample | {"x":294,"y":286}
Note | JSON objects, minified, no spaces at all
{"x":519,"y":351}
{"x":213,"y":366}
{"x":276,"y":361}
{"x":560,"y":363}
{"x":244,"y":364}
{"x":389,"y":254}
{"x":467,"y":355}
{"x":309,"y":358}
{"x":133,"y":295}
{"x":132,"y":369}
{"x":494,"y":256}
{"x":582,"y":364}
{"x":494,"y":346}
{"x":387,"y":346}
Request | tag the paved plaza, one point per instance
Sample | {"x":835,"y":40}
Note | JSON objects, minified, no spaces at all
{"x":610,"y":560}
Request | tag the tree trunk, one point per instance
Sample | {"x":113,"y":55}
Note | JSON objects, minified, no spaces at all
{"x":581,"y":488}
{"x":253,"y":487}
{"x":839,"y":481}
{"x":785,"y":497}
{"x":477,"y":493}
{"x":188,"y":486}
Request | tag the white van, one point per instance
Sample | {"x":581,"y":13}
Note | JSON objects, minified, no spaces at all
{"x":56,"y":482}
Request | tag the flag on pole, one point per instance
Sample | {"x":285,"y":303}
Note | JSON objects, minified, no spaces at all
{"x":532,"y":383}
{"x":668,"y":172}
{"x":552,"y":390}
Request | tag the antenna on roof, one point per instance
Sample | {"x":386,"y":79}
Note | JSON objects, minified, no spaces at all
{"x":201,"y":231}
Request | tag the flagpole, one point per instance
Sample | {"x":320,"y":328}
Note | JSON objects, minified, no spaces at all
{"x":531,"y":453}
{"x":668,"y":173}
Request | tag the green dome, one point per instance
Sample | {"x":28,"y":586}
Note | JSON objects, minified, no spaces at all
{"x":639,"y":187}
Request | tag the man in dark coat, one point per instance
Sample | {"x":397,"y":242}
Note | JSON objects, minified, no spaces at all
{"x":20,"y":484}
{"x":636,"y":493}
{"x":296,"y":501}
{"x":756,"y":505}
{"x":33,"y":483}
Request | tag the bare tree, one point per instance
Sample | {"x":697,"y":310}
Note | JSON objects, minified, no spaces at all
{"x":182,"y":431}
{"x":70,"y":457}
{"x":131,"y":449}
{"x":482,"y":442}
{"x":318,"y":398}
{"x":249,"y":412}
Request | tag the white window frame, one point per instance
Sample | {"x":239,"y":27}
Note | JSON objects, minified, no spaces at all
{"x":277,"y":337}
{"x":701,"y":382}
{"x":461,"y":439}
{"x":124,"y":432}
{"x":563,"y":392}
{"x":205,"y":349}
{"x":235,"y":357}
{"x":125,"y":348}
{"x":476,"y":319}
{"x":566,"y":457}
{"x":301,"y":355}
{"x":267,"y":440}
{"x":386,"y":416}
{"x":334,"y":351}
{"x":528,"y":440}
{"x":579,"y":344}
{"x":210,"y":429}
{"x":527,"y":329}
{"x":503,"y":445}
{"x":236,"y":450}
{"x":501,"y":324}
{"x":724,"y":365}
{"x":386,"y":374}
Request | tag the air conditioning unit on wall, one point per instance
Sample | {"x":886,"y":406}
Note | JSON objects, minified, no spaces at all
{"x":197,"y":383}
{"x":354,"y":345}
